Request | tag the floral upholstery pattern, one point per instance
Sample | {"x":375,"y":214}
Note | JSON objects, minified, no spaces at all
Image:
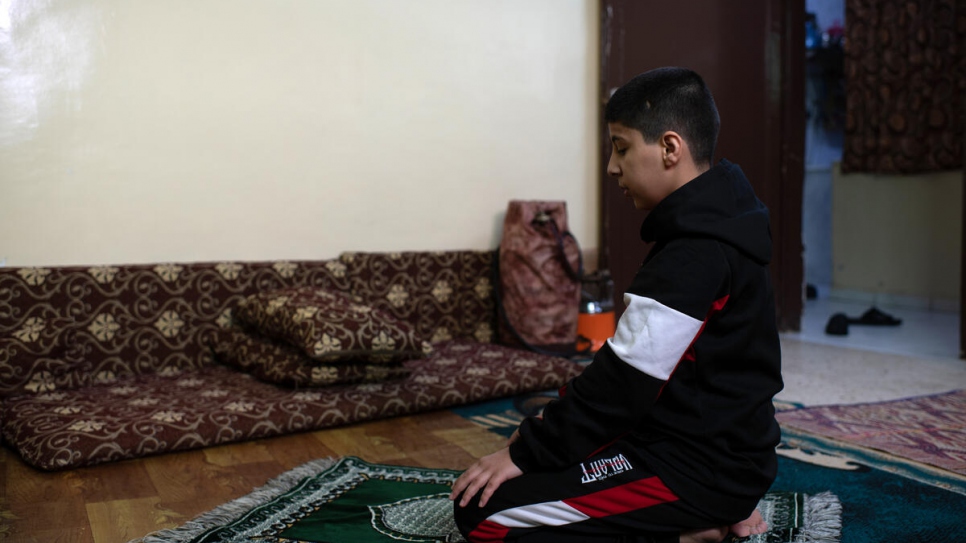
{"x":180,"y":409}
{"x":105,"y":363}
{"x":446,"y":295}
{"x":66,"y":327}
{"x":275,"y":362}
{"x":330,"y":326}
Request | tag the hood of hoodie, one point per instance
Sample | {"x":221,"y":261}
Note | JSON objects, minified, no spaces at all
{"x":718,"y":204}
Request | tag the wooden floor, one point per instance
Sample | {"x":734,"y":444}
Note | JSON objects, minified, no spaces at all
{"x":114,"y":503}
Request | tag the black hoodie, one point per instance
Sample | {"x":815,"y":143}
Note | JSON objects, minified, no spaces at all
{"x":691,"y":371}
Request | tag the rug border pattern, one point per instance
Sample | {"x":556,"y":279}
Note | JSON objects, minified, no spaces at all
{"x":904,"y":467}
{"x":251,"y":517}
{"x":257,"y":508}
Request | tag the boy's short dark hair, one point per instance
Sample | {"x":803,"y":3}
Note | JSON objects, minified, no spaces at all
{"x":669,"y":99}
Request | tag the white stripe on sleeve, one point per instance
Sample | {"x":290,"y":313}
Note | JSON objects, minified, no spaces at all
{"x":652,"y":337}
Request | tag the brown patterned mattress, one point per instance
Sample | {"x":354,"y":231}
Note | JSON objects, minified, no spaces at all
{"x":179,"y":410}
{"x":107,"y":363}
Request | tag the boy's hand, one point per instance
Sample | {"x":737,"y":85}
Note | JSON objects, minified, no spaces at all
{"x":487,"y":473}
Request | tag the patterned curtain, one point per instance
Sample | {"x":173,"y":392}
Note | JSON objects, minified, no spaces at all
{"x":905,"y":79}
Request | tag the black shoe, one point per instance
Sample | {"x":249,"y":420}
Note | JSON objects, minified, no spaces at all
{"x":838,"y":325}
{"x":875,"y":317}
{"x":811,"y":292}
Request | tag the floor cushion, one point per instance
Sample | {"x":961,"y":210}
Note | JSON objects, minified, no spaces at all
{"x":179,"y":410}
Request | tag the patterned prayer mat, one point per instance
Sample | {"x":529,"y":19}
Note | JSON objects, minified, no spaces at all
{"x":878,"y":504}
{"x":352,"y":501}
{"x":929,"y":429}
{"x":884,"y":497}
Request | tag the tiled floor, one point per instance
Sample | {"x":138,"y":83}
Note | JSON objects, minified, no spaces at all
{"x":922,"y":333}
{"x":871,"y":363}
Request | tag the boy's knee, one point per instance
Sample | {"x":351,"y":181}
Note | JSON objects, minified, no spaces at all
{"x":463,"y":518}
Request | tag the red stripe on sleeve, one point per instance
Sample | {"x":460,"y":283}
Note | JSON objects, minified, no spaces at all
{"x":689,"y":355}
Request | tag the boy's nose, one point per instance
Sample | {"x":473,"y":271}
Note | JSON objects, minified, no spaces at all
{"x":612,"y":169}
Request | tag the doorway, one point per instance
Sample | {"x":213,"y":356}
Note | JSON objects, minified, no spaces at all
{"x":924,"y":332}
{"x":824,"y":134}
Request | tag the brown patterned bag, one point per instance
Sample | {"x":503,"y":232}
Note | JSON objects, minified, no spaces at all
{"x":539,"y":270}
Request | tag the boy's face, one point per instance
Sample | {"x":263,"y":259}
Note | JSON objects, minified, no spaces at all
{"x":639,"y":167}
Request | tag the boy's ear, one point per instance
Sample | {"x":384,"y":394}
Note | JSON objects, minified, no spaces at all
{"x":673,"y":148}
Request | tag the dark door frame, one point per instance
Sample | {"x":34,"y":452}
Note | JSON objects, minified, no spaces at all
{"x":773,"y":55}
{"x":788,"y":36}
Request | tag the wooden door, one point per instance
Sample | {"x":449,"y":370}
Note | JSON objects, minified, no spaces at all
{"x":752,"y":56}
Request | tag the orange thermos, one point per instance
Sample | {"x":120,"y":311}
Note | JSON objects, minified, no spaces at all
{"x":595,"y":321}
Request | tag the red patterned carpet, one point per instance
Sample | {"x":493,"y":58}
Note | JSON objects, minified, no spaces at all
{"x":928,"y":429}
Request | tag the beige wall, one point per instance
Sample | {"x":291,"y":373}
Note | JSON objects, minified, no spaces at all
{"x":898,"y":236}
{"x":245,"y":129}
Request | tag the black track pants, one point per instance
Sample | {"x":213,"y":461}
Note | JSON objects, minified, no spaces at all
{"x":611,"y":496}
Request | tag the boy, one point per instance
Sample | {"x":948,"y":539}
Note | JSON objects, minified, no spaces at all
{"x":670,"y":433}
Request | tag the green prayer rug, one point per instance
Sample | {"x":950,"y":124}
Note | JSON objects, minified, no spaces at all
{"x":348,"y":500}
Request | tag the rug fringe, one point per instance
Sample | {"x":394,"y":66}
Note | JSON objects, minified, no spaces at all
{"x":823,"y":519}
{"x":234,"y":509}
